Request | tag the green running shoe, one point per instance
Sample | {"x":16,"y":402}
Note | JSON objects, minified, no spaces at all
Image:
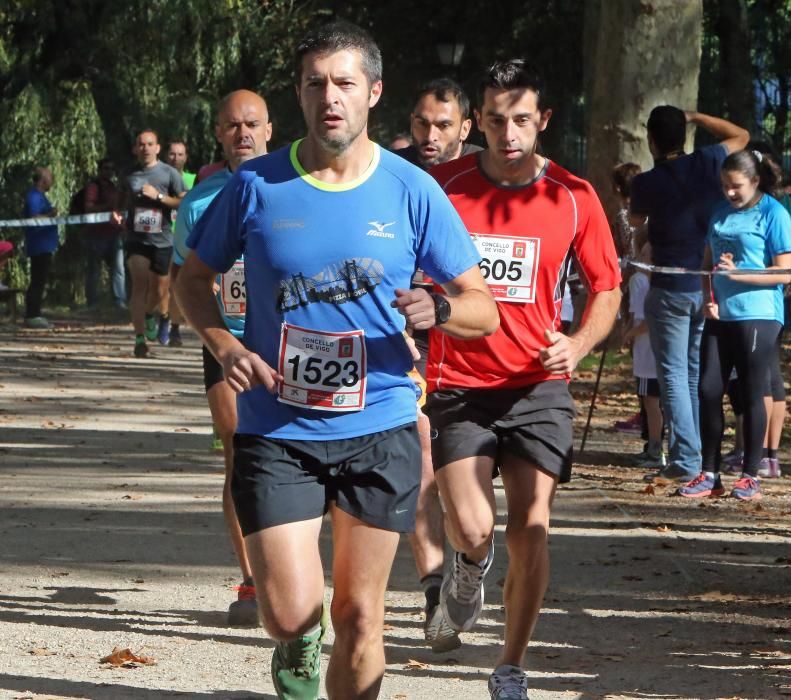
{"x":296,"y":665}
{"x":152,"y":327}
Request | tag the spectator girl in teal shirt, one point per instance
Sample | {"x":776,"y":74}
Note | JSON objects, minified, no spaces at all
{"x":744,"y":315}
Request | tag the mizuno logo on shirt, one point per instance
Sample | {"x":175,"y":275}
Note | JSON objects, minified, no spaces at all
{"x":378,"y":230}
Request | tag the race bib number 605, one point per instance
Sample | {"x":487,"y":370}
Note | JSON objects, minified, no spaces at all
{"x":322,"y":369}
{"x":509,"y":265}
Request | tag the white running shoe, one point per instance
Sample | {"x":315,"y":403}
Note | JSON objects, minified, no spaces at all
{"x":508,"y":683}
{"x":461,"y":595}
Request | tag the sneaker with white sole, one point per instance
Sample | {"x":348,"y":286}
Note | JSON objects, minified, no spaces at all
{"x":438,"y":633}
{"x":461,"y":595}
{"x":508,"y":683}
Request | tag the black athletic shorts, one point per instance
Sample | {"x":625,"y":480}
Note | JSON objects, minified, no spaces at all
{"x":212,"y":370}
{"x":647,"y":387}
{"x":158,"y":258}
{"x":534,"y":423}
{"x":375,"y":478}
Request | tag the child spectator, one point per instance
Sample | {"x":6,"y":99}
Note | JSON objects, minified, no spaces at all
{"x":644,"y":368}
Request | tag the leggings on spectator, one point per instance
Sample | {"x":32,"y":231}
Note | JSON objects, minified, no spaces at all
{"x":39,"y":272}
{"x":775,"y":384}
{"x":748,"y":346}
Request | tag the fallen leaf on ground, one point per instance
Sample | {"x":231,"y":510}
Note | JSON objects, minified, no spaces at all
{"x":126,"y":658}
{"x":41,"y":651}
{"x":649,"y":490}
{"x":183,"y":430}
{"x":388,"y":627}
{"x":659,"y":481}
{"x":663,"y":528}
{"x":412,"y":663}
{"x":131,"y":497}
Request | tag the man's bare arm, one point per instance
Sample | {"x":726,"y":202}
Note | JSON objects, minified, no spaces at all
{"x":564,"y":352}
{"x":243,"y":369}
{"x":733,"y":137}
{"x":473,"y":311}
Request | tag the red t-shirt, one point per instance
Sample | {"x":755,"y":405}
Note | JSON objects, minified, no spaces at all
{"x":525,"y":236}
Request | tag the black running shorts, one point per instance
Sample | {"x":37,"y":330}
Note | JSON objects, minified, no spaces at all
{"x":375,"y":478}
{"x":158,"y":258}
{"x":647,"y":387}
{"x":534,"y":423}
{"x":212,"y":370}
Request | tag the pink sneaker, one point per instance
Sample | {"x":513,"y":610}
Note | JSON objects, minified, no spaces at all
{"x":631,"y":425}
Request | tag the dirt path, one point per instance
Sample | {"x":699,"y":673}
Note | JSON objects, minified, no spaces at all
{"x":111,"y":534}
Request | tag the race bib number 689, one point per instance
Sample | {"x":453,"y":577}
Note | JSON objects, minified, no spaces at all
{"x":322,"y":369}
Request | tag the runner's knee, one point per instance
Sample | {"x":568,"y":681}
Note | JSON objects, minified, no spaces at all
{"x":356,"y":619}
{"x":471,"y":531}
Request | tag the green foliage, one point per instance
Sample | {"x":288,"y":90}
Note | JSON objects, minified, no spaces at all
{"x":79,"y":78}
{"x":767,"y":61}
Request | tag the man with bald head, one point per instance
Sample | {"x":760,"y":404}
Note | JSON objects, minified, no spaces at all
{"x":243,"y":129}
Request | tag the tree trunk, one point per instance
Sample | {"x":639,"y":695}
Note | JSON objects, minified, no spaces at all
{"x":736,"y":69}
{"x":645,"y":53}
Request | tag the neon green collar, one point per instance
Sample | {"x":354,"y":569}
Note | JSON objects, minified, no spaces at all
{"x":327,"y":186}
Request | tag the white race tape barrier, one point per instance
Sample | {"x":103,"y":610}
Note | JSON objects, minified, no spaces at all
{"x":704,"y":273}
{"x":97,"y":218}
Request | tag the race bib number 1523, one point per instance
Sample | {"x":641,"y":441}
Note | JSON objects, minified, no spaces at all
{"x":322,"y":369}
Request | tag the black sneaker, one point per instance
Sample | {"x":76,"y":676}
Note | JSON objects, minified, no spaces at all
{"x":672,"y":472}
{"x":141,"y":349}
{"x":175,"y":337}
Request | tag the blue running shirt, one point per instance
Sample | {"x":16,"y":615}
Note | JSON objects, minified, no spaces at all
{"x":231,"y":295}
{"x":322,"y":265}
{"x":754,"y":236}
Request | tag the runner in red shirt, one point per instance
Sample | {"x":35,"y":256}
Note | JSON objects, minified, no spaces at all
{"x":503,"y":401}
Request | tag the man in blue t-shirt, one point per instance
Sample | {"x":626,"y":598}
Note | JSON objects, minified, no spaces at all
{"x":243,"y":129}
{"x":40,"y":243}
{"x":676,"y":197}
{"x":332,"y":229}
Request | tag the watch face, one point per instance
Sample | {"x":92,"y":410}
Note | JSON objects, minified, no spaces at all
{"x":441,"y":309}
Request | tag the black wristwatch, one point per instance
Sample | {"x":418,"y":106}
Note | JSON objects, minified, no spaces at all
{"x":441,"y":309}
